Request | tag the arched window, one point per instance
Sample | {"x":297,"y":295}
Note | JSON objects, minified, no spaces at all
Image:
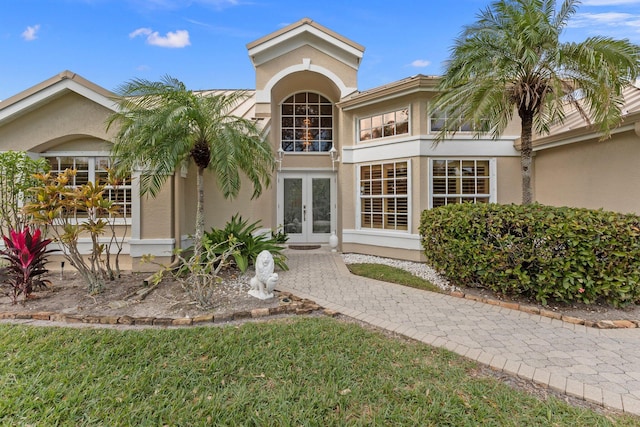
{"x":307,"y":123}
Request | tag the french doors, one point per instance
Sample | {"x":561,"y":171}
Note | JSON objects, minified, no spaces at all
{"x":307,"y":205}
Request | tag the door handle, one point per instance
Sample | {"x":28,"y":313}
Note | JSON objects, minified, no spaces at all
{"x":304,"y":212}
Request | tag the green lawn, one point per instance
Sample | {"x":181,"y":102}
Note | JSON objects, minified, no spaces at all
{"x":302,"y":371}
{"x":391,"y":274}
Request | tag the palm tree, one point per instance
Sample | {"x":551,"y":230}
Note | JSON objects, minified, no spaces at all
{"x":512,"y":60}
{"x":162,"y":124}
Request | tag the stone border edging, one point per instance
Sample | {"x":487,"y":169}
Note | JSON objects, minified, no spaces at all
{"x":601,"y":324}
{"x":297,"y":306}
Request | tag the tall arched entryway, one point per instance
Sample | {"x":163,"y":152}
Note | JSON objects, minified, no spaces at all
{"x":307,"y":190}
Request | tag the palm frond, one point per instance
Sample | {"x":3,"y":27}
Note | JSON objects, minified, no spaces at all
{"x":160,"y":123}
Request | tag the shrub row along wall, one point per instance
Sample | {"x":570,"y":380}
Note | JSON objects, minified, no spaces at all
{"x":544,"y":252}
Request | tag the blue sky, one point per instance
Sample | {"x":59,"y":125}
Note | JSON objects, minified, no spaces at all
{"x":203,"y":42}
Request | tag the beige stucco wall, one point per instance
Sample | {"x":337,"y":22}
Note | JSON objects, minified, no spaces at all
{"x":304,"y":81}
{"x":416,"y":102}
{"x":508,"y":184}
{"x":591,"y":174}
{"x":62,"y":119}
{"x":156,"y":217}
{"x":73,"y":123}
{"x":381,"y":251}
{"x":347,"y":199}
{"x":218,"y":210}
{"x":266,"y":71}
{"x":509,"y":180}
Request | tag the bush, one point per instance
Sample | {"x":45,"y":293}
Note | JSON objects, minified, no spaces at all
{"x":69,"y":213}
{"x":16,"y":177}
{"x":26,"y":253}
{"x":543,"y":252}
{"x":199,"y":275}
{"x":242,"y":235}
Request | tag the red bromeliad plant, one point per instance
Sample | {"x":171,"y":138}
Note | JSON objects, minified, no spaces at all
{"x":26,"y":253}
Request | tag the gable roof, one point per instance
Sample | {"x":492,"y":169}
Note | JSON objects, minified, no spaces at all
{"x":52,"y":88}
{"x":245,"y":109}
{"x":574,"y":128}
{"x":305,"y":32}
{"x":415,"y":83}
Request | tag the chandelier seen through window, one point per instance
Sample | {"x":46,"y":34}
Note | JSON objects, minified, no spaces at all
{"x":307,"y":123}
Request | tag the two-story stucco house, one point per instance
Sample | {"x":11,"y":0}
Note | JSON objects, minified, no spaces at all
{"x":360,"y":164}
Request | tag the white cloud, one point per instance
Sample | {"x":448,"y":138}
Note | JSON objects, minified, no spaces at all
{"x":140,"y":32}
{"x":616,"y":24}
{"x":177,"y":39}
{"x":607,"y":18}
{"x":421,"y":63}
{"x":30,"y":33}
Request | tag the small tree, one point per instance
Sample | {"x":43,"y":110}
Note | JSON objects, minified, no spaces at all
{"x":73,"y":212}
{"x":161,"y":125}
{"x":512,"y":60}
{"x":16,"y":177}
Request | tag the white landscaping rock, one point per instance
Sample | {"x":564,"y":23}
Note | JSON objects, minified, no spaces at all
{"x":416,"y":268}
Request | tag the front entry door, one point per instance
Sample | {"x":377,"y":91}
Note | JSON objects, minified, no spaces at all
{"x":306,"y":206}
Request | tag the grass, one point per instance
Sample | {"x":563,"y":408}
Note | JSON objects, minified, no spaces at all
{"x":303,"y":371}
{"x":392,"y":274}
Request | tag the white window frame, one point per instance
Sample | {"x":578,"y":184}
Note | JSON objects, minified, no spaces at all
{"x":360,"y":196}
{"x":320,"y":128}
{"x":91,"y":167}
{"x":371,"y":116}
{"x":465,"y":127}
{"x":493,"y":181}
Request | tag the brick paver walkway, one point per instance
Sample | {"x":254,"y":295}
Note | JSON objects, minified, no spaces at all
{"x":598,"y":365}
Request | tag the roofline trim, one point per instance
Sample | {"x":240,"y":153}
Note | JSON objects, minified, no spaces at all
{"x":560,"y":141}
{"x":264,"y":95}
{"x":298,"y":27}
{"x":51,"y":91}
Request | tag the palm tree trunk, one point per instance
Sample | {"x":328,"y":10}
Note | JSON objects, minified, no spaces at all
{"x":525,"y":156}
{"x":197,"y":244}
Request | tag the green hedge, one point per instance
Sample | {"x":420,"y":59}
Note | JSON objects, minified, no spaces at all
{"x":537,"y":251}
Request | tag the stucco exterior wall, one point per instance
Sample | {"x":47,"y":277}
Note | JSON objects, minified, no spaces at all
{"x":591,"y":174}
{"x":60,"y":120}
{"x":218,"y":210}
{"x":305,"y":81}
{"x":509,"y":180}
{"x":156,"y":214}
{"x":417,"y":148}
{"x":381,"y":251}
{"x":266,"y":71}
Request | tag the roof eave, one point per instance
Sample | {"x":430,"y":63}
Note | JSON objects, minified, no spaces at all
{"x":417,"y":83}
{"x":52,"y":88}
{"x":588,"y":132}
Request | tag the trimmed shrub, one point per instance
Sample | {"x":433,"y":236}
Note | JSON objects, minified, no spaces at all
{"x":16,"y":177}
{"x":248,"y":243}
{"x":542,"y":252}
{"x":26,"y":251}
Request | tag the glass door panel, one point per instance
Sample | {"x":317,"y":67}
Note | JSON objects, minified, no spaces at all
{"x":293,"y":207}
{"x":321,"y":202}
{"x":306,"y":206}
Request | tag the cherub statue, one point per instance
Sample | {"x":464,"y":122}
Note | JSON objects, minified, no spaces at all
{"x":265,"y":280}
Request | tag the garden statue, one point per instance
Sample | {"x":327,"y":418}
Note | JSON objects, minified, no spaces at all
{"x":265,"y":280}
